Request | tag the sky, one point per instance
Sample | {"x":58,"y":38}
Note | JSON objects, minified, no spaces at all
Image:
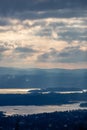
{"x":43,"y":33}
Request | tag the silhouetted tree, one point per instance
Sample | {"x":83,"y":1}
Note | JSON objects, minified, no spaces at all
{"x":17,"y":125}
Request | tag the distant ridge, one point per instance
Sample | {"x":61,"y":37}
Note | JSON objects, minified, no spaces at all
{"x":42,"y":78}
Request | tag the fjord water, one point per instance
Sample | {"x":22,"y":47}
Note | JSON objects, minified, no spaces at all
{"x":24,"y":109}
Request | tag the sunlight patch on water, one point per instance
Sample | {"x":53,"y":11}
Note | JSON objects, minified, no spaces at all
{"x":17,"y":91}
{"x":25,"y":110}
{"x":69,"y":92}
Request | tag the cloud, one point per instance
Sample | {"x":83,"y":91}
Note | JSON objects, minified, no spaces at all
{"x":65,"y":29}
{"x":67,"y":55}
{"x":4,"y":22}
{"x":4,"y":52}
{"x":38,"y":9}
{"x":25,"y":50}
{"x":43,"y":32}
{"x":3,"y":49}
{"x":35,"y":15}
{"x":21,"y":5}
{"x":62,"y":29}
{"x":49,"y":56}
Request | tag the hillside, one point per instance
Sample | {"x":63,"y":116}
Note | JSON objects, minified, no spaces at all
{"x":42,"y":78}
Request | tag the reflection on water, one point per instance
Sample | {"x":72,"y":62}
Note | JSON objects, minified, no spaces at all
{"x":21,"y":110}
{"x":17,"y":91}
{"x":69,"y":92}
{"x":72,"y":92}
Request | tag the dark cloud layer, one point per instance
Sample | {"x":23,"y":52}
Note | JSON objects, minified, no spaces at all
{"x":63,"y":13}
{"x":21,"y":5}
{"x":11,"y":6}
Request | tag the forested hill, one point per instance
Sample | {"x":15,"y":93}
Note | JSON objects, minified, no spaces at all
{"x":73,"y":120}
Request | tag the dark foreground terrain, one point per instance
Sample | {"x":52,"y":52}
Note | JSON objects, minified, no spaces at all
{"x":73,"y":120}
